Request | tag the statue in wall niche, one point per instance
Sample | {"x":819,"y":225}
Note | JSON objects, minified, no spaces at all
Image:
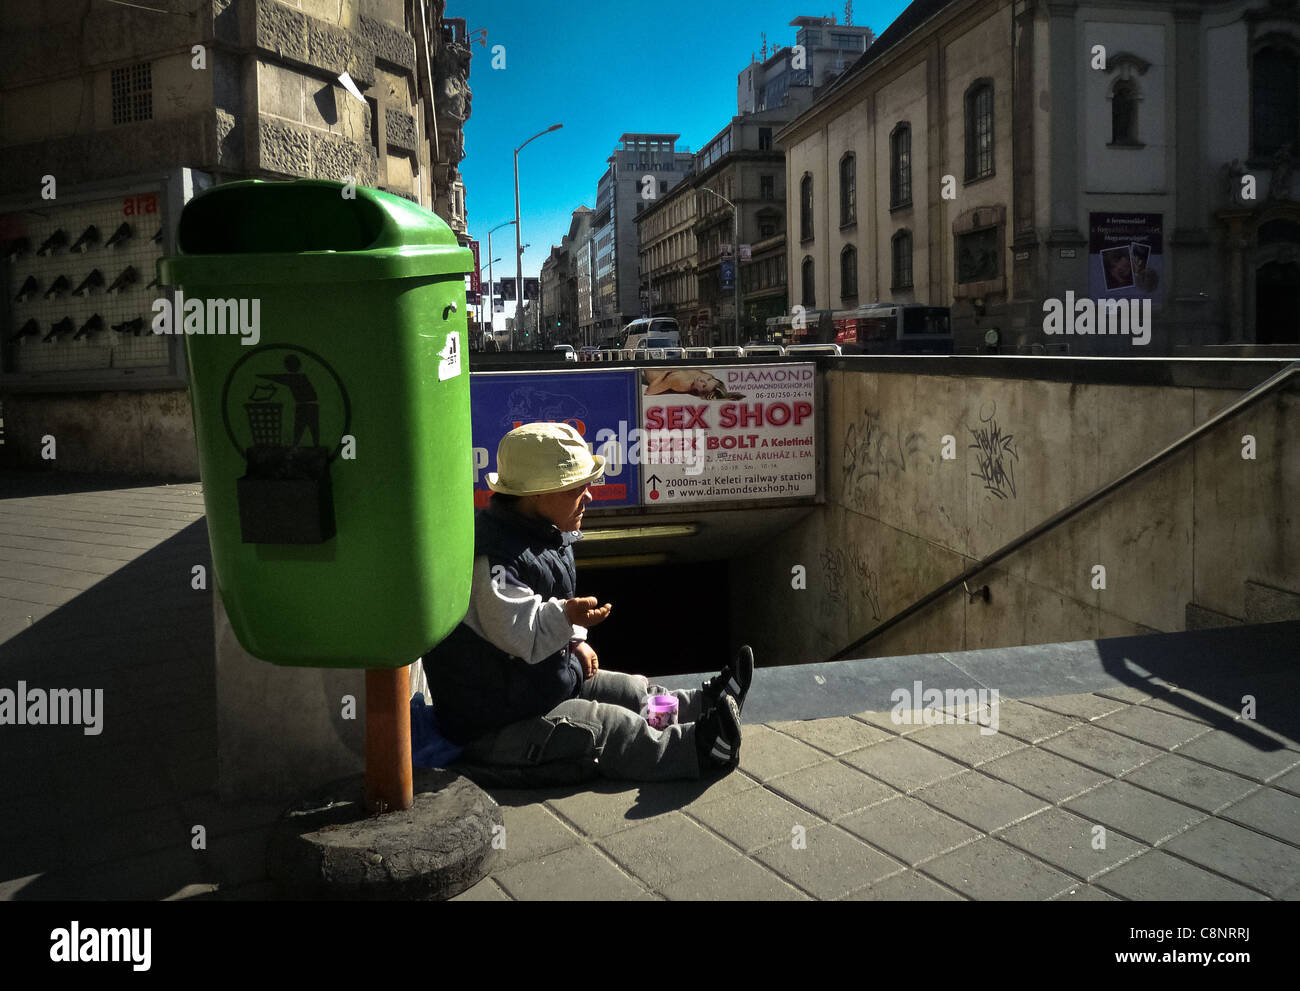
{"x":1279,"y":183}
{"x":453,"y":98}
{"x":1232,"y":173}
{"x":451,"y":70}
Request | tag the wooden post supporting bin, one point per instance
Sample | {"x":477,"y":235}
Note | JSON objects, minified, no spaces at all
{"x":389,"y":785}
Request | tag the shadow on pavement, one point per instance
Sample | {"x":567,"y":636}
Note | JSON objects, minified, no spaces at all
{"x":1217,"y":668}
{"x":104,"y":815}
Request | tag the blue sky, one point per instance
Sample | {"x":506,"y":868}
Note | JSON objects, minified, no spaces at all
{"x":601,"y":69}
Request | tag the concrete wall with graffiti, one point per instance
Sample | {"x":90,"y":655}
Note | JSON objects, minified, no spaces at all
{"x":927,"y":474}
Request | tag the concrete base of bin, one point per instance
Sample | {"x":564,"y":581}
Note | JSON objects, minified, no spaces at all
{"x":328,"y":847}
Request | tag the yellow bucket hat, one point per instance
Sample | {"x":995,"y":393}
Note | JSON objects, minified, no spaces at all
{"x":538,"y":458}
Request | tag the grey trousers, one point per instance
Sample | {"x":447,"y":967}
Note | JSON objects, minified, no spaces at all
{"x":604,"y":722}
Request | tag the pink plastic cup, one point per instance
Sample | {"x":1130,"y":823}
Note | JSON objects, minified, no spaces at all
{"x":660,"y":711}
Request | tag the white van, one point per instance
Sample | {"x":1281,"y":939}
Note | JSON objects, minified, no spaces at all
{"x":651,"y":332}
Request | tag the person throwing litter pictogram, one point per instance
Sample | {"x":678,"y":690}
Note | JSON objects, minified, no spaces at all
{"x":306,"y":408}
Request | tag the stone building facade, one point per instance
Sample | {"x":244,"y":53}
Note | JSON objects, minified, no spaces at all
{"x":114,"y":116}
{"x":559,"y":283}
{"x":669,"y":267}
{"x":686,"y":235}
{"x":743,"y":164}
{"x":683,"y":233}
{"x":641,"y":168}
{"x":1010,"y":160}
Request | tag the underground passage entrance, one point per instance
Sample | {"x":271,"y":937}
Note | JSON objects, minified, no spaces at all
{"x":674,"y":580}
{"x":667,"y":619}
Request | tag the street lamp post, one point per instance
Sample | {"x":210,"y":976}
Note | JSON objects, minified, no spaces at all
{"x":492,"y":314}
{"x":735,"y":253}
{"x":491,"y":304}
{"x":519,"y":251}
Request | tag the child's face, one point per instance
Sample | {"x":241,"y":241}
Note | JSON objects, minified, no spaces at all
{"x":564,"y":509}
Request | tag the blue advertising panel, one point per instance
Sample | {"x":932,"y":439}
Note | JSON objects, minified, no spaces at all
{"x":601,"y":404}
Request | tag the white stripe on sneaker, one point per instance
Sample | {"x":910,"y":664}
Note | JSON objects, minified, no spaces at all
{"x":721,"y":756}
{"x":734,"y":686}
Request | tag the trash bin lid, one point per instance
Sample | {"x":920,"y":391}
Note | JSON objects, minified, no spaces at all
{"x":307,"y":230}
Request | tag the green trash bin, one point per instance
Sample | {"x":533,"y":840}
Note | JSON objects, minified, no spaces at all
{"x":325,"y":336}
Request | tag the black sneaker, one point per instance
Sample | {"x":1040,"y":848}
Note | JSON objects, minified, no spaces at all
{"x":734,"y":679}
{"x":717,"y":737}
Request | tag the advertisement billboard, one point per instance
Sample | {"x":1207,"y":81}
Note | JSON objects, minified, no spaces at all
{"x":726,"y":434}
{"x":1126,"y":256}
{"x":600,"y":404}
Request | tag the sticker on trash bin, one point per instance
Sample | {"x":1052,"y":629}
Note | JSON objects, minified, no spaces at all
{"x":449,"y":367}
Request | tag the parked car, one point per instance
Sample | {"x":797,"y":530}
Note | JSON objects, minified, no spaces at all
{"x":567,"y":350}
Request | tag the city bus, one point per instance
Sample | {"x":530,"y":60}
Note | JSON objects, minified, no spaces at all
{"x":650,"y":332}
{"x":894,"y":328}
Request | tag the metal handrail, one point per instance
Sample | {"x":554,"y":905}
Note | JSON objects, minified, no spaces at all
{"x":1229,"y":411}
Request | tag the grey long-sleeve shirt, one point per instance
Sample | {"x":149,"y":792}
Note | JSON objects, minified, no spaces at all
{"x":512,"y":617}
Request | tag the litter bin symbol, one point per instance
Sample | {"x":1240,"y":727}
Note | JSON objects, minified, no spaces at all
{"x":306,"y":410}
{"x":285,"y":496}
{"x":263,"y":417}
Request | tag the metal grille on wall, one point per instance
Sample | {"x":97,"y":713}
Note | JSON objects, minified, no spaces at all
{"x":80,"y":284}
{"x":133,"y":93}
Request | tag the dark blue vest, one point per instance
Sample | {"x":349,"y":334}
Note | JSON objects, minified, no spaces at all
{"x":476,"y":686}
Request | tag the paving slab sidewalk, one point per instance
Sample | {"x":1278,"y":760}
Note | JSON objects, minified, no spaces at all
{"x":1098,"y":797}
{"x":1096,"y":785}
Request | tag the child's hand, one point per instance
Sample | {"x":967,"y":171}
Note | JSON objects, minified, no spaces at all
{"x":587,"y":656}
{"x":583,"y":612}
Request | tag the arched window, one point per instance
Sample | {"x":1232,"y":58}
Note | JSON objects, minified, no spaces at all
{"x":900,"y":166}
{"x":1124,"y":113}
{"x":809,"y":298}
{"x":1274,"y":101}
{"x":806,"y":208}
{"x":902,"y":245}
{"x":848,"y":272}
{"x":979,"y":130}
{"x":848,"y":190}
